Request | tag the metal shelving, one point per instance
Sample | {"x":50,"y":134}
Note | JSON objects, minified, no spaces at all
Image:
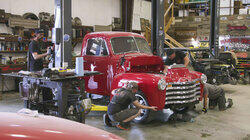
{"x":13,"y":51}
{"x":195,"y":2}
{"x":195,"y":6}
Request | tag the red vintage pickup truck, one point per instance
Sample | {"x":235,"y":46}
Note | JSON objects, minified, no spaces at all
{"x":123,"y":57}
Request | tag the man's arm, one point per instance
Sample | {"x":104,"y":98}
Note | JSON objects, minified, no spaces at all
{"x":165,"y":69}
{"x":166,"y":65}
{"x":186,"y":61}
{"x":40,"y":56}
{"x":137,"y":104}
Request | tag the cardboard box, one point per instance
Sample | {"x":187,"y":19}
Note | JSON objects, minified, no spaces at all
{"x":227,"y":3}
{"x":101,"y":28}
{"x":183,"y":13}
{"x":242,"y":11}
{"x":226,"y":7}
{"x":197,"y":19}
{"x":226,"y":11}
{"x":26,"y":23}
{"x":202,"y":14}
{"x":192,"y":14}
{"x":245,"y":1}
{"x":183,"y":1}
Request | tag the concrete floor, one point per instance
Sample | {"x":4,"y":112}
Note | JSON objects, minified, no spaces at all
{"x":233,"y":123}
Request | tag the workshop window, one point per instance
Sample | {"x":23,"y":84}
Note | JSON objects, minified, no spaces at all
{"x":97,"y":47}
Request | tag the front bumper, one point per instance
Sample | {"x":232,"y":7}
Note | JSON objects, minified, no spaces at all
{"x":180,"y":93}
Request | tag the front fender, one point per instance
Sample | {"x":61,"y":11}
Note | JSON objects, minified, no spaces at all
{"x":148,"y":84}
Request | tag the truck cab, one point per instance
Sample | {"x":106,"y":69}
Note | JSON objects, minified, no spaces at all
{"x":123,"y":57}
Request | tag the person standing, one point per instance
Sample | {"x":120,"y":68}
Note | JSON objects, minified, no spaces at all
{"x":35,"y":55}
{"x":35,"y":63}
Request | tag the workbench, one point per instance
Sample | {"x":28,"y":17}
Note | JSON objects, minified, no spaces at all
{"x":60,"y":87}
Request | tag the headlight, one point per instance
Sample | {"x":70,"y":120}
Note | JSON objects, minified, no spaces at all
{"x":203,"y":78}
{"x":162,"y":84}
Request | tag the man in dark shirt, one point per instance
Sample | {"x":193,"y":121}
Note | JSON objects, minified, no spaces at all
{"x":36,"y":64}
{"x":35,"y":54}
{"x":177,"y":57}
{"x":118,"y":110}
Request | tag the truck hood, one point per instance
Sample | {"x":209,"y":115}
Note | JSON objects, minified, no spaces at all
{"x":181,"y":75}
{"x":140,"y":62}
{"x":139,"y":59}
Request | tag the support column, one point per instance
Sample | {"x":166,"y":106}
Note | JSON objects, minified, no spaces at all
{"x":157,"y":27}
{"x":127,"y":14}
{"x":214,"y":27}
{"x":62,"y":33}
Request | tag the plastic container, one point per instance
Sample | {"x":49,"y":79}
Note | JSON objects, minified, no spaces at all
{"x":79,"y":69}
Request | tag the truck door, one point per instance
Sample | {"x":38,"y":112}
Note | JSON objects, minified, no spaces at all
{"x":97,"y":59}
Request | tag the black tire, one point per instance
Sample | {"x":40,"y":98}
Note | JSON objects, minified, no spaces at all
{"x":30,"y":16}
{"x":181,"y":110}
{"x":146,"y":115}
{"x":106,"y":120}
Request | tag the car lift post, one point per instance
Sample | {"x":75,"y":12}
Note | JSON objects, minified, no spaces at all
{"x":157,"y":27}
{"x":62,"y":34}
{"x":214,"y":27}
{"x":62,"y":37}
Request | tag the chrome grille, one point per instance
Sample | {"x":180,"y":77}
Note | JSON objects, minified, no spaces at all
{"x":183,"y":92}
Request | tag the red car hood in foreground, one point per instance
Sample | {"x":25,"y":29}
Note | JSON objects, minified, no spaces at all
{"x":15,"y":126}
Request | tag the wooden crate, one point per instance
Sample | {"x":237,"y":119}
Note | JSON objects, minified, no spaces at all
{"x":26,"y":23}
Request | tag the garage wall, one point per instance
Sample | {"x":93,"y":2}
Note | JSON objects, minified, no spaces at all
{"x":142,"y":9}
{"x":91,"y":12}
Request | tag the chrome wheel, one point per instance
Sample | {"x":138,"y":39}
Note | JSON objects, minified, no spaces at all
{"x":146,"y":115}
{"x":142,"y":101}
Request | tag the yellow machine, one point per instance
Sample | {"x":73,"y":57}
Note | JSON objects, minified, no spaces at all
{"x":99,"y":108}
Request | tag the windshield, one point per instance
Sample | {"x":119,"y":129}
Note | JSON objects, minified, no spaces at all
{"x":142,"y":44}
{"x":130,"y":44}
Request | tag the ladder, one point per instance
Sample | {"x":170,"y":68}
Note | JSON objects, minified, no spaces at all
{"x":168,"y":20}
